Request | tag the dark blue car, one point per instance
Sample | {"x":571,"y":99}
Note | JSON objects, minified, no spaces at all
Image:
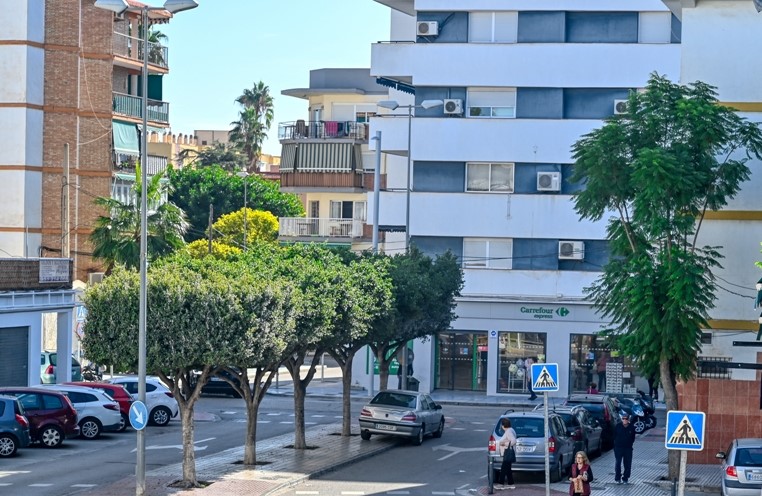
{"x":14,"y":427}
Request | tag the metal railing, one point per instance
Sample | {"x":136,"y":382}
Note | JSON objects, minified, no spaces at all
{"x":132,"y":106}
{"x":713,"y":368}
{"x":132,"y":48}
{"x":320,"y":227}
{"x":323,"y":130}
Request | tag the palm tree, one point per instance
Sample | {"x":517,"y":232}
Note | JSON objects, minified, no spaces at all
{"x":116,"y":236}
{"x":226,"y":156}
{"x":250,"y":130}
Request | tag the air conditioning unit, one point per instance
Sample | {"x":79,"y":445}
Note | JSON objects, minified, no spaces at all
{"x":548,"y":181}
{"x":427,"y":28}
{"x":94,"y":278}
{"x":620,"y":107}
{"x":453,"y":107}
{"x":571,"y":250}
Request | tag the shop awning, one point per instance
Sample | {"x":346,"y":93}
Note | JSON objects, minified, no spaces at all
{"x":397,"y":85}
{"x":126,"y":138}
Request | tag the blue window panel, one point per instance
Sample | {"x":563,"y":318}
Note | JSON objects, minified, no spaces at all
{"x":453,"y":27}
{"x":542,"y":27}
{"x":602,"y":27}
{"x":539,"y":103}
{"x":592,"y":103}
{"x":439,"y":177}
{"x":535,"y":254}
{"x":677,"y":30}
{"x":434,"y":246}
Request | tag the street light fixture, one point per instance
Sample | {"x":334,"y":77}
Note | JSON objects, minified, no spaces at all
{"x":243,"y":174}
{"x":119,"y":7}
{"x":393,"y":105}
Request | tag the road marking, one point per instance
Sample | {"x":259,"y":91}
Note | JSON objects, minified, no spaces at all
{"x":478,"y":423}
{"x":480,"y":430}
{"x":454,"y":451}
{"x":273,"y":414}
{"x":84,"y":485}
{"x":457,"y":428}
{"x":286,"y":422}
{"x":353,"y":492}
{"x":310,"y":423}
{"x":5,"y":484}
{"x":306,"y":492}
{"x":230,"y":413}
{"x":318,"y":416}
{"x":179,"y":446}
{"x":339,"y":416}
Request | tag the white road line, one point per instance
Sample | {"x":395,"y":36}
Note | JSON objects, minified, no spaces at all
{"x":339,"y":416}
{"x":457,"y":428}
{"x":84,"y":485}
{"x":258,"y":421}
{"x":273,"y":414}
{"x":317,"y":416}
{"x":306,"y":492}
{"x":286,"y":422}
{"x":5,"y":484}
{"x":229,"y":413}
{"x":480,"y":430}
{"x":310,"y":423}
{"x":353,"y":492}
{"x":478,"y":423}
{"x":464,"y":485}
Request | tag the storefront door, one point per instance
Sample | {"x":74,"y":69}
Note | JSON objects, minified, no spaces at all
{"x":462,"y":361}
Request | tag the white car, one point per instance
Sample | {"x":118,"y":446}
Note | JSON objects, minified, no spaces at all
{"x":160,"y":402}
{"x":97,"y":412}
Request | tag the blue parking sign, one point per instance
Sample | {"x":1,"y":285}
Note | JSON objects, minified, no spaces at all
{"x":685,"y":430}
{"x":544,"y":377}
{"x":138,"y":415}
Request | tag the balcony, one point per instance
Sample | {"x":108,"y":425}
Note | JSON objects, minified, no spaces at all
{"x":125,"y":163}
{"x":333,"y":180}
{"x":320,"y":229}
{"x":323,"y":130}
{"x":131,"y":106}
{"x":129,"y":51}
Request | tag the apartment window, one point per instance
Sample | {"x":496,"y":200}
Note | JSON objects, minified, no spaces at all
{"x":492,"y":27}
{"x":348,"y":210}
{"x":655,"y":27}
{"x":495,"y":178}
{"x":492,"y":102}
{"x":364,"y":116}
{"x":485,"y":253}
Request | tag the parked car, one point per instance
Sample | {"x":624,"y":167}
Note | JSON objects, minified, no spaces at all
{"x":742,"y":468}
{"x":160,"y":402}
{"x":403,"y":413}
{"x":603,"y":408}
{"x":52,"y":417}
{"x":96,"y":411}
{"x":583,"y":428}
{"x":116,"y":392}
{"x":531,"y":443}
{"x":48,"y":364}
{"x":14,"y":427}
{"x":218,"y":385}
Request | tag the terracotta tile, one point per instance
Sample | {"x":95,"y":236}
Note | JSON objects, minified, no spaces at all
{"x":702,"y":388}
{"x":689,"y":387}
{"x":715,"y":406}
{"x":702,"y":403}
{"x":715,"y":389}
{"x":728,"y":424}
{"x":741,"y":426}
{"x":713,"y":424}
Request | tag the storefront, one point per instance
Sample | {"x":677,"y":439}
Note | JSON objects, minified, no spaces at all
{"x":461,"y":361}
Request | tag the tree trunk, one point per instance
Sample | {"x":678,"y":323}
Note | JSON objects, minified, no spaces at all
{"x":253,"y":395}
{"x":189,"y":454}
{"x":346,"y":396}
{"x":250,"y":447}
{"x":383,"y":370}
{"x":671,"y":400}
{"x":294,"y":365}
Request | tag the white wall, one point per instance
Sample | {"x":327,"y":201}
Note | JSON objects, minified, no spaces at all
{"x":22,"y":20}
{"x":585,"y":5}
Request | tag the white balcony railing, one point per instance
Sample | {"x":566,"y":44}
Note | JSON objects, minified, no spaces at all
{"x":320,"y":227}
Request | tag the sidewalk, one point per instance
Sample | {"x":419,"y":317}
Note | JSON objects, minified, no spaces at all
{"x":282,"y":466}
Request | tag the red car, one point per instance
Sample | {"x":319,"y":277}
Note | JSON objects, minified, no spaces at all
{"x":117,"y":393}
{"x":52,"y":417}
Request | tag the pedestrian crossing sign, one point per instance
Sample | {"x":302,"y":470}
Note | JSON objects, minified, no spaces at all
{"x":685,"y":430}
{"x":544,"y":377}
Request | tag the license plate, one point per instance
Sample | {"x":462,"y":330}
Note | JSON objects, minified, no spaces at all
{"x":385,"y":427}
{"x":524,"y":449}
{"x":754,"y":477}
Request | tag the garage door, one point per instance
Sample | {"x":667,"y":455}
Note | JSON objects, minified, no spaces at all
{"x":14,"y":346}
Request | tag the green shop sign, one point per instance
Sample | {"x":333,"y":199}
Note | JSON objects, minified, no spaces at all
{"x":545,"y":312}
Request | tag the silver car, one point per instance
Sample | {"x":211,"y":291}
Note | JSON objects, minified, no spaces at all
{"x":402,"y":413}
{"x":742,"y":468}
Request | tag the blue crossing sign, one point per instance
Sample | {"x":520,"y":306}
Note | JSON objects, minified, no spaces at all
{"x":685,"y":430}
{"x":544,"y":377}
{"x":138,"y":415}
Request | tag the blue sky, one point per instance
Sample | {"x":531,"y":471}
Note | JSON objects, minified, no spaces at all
{"x":224,"y":46}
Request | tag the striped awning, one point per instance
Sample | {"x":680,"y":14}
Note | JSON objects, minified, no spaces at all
{"x":320,"y":157}
{"x":397,"y":85}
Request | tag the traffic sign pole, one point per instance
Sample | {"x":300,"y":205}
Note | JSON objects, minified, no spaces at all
{"x":545,"y":379}
{"x":683,"y":469}
{"x":547,"y":452}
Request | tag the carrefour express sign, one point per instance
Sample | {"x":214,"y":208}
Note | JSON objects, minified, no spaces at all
{"x":545,"y":312}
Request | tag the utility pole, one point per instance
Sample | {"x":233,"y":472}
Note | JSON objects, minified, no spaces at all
{"x":211,"y":218}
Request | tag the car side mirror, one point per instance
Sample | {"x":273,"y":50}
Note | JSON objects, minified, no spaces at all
{"x":437,"y":407}
{"x":721,"y":455}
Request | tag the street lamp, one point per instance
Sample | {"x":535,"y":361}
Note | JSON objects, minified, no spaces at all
{"x":393,"y":105}
{"x":119,"y":7}
{"x":243,"y":174}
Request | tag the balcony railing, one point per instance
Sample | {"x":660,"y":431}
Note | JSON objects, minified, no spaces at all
{"x":323,"y":130}
{"x":132,"y":106}
{"x":126,"y":163}
{"x":338,"y":178}
{"x":320,"y":227}
{"x":132,"y":48}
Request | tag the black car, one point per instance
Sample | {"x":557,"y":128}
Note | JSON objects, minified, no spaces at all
{"x":603,"y":408}
{"x":583,"y":428}
{"x":219,"y":386}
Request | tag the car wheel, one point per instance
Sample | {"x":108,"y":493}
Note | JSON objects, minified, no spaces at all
{"x":640,"y":426}
{"x":418,"y":439}
{"x":160,"y":415}
{"x":90,"y":428}
{"x":51,"y":436}
{"x":123,"y":423}
{"x":365,"y":435}
{"x":440,"y":429}
{"x":8,"y":445}
{"x":558,"y":472}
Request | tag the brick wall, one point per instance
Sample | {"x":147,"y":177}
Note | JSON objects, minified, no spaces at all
{"x":732,"y":411}
{"x":24,"y":275}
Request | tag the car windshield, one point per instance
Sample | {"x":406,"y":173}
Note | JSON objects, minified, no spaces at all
{"x":568,"y":418}
{"x":749,"y":457}
{"x":525,"y":427}
{"x":394,"y":399}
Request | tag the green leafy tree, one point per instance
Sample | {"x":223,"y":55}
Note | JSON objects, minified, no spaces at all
{"x":675,"y":154}
{"x":195,"y":189}
{"x":200,"y":249}
{"x":254,"y":120}
{"x":116,"y":235}
{"x":423,"y":300}
{"x":226,"y":156}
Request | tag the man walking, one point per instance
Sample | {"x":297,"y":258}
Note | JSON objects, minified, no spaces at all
{"x":624,"y":438}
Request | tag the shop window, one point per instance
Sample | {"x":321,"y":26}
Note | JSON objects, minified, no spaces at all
{"x":514,"y":350}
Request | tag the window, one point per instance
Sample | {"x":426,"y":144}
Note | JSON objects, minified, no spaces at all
{"x":514,"y":349}
{"x":364,"y":116}
{"x":655,"y":27}
{"x":492,"y":27}
{"x":497,"y":178}
{"x":487,"y":253}
{"x":492,"y":102}
{"x":348,"y":210}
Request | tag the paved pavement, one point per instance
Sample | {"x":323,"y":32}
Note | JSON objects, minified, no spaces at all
{"x":282,"y":467}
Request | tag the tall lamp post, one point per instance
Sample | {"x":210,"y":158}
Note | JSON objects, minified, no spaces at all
{"x":119,"y":7}
{"x":243,"y":174}
{"x":393,"y":105}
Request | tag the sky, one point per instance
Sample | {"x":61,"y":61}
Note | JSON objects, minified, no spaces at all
{"x":224,"y":46}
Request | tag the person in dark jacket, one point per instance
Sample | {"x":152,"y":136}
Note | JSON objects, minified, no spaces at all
{"x":624,"y":438}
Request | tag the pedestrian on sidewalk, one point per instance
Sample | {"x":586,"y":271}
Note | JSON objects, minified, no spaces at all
{"x":600,"y":367}
{"x":592,"y":388}
{"x":506,"y":445}
{"x":624,"y":438}
{"x":528,"y":375}
{"x":581,"y":475}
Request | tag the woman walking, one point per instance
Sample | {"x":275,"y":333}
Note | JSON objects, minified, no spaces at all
{"x":506,"y":445}
{"x":581,"y":476}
